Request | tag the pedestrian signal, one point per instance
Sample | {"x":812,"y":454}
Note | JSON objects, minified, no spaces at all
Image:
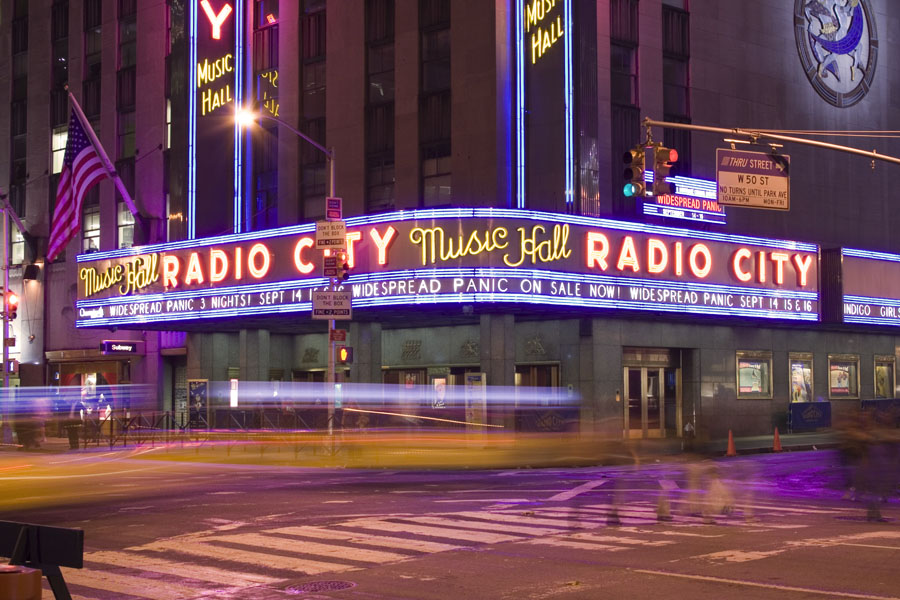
{"x":345,"y":354}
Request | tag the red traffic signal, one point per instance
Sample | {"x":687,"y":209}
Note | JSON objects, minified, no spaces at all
{"x":12,"y":305}
{"x":662,"y":164}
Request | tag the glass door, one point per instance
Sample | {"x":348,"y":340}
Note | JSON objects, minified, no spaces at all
{"x":645,"y":401}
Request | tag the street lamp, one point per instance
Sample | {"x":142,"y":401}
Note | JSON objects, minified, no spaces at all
{"x":245,"y":119}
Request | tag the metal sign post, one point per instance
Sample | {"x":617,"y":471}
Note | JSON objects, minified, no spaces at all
{"x":7,"y":409}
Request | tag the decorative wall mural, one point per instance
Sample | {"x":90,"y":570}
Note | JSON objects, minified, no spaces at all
{"x":838,"y":46}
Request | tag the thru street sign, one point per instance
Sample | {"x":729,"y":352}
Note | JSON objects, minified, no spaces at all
{"x":331,"y":234}
{"x":332,"y":305}
{"x":753,"y":179}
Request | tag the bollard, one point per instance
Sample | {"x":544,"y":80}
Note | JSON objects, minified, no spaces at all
{"x":20,"y":583}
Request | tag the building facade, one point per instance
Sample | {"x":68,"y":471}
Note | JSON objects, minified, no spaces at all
{"x":524,"y":108}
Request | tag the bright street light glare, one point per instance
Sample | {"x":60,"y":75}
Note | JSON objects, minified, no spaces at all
{"x":244,"y":118}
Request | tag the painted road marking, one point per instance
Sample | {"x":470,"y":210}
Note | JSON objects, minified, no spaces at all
{"x":145,"y":562}
{"x":515,"y":515}
{"x":366,"y":538}
{"x":269,"y":561}
{"x":485,"y":525}
{"x":584,"y":487}
{"x":142,"y":587}
{"x":454,"y":534}
{"x":739,"y":555}
{"x":596,"y":537}
{"x":47,"y":594}
{"x":269,"y":542}
{"x":668,"y":484}
{"x":564,"y":543}
{"x":770,"y":586}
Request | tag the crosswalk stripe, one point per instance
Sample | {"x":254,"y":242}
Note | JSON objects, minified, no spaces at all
{"x":47,"y":594}
{"x":454,"y":534}
{"x":595,"y":537}
{"x":484,"y":525}
{"x":146,"y":562}
{"x":668,"y":484}
{"x":271,"y":561}
{"x":133,"y":585}
{"x":569,"y":494}
{"x":397,"y":543}
{"x":270,"y":542}
{"x":564,"y":543}
{"x":517,"y":517}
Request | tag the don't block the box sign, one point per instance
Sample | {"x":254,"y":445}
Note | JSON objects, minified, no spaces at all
{"x":464,"y":256}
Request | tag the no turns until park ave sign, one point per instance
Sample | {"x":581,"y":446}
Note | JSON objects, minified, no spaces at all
{"x":753,"y":179}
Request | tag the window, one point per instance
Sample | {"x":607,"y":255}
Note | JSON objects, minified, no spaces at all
{"x":801,"y":372}
{"x":16,"y":247}
{"x":313,"y":168}
{"x":127,"y":41}
{"x":436,"y":181}
{"x":676,"y":84}
{"x":754,"y":375}
{"x":90,"y":221}
{"x":58,"y":149}
{"x":380,"y":184}
{"x":126,"y":89}
{"x":314,"y":90}
{"x":126,"y":134}
{"x":380,"y":109}
{"x":884,"y":377}
{"x":381,"y":73}
{"x":843,"y":376}
{"x":91,"y":98}
{"x":125,"y":225}
{"x":265,"y":13}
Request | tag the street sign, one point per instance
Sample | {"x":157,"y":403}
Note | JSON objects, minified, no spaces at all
{"x":332,"y":305}
{"x":753,"y":179}
{"x":333,"y":210}
{"x":331,"y":234}
{"x":119,"y":347}
{"x":338,"y":335}
{"x":330,"y":266}
{"x":10,"y":342}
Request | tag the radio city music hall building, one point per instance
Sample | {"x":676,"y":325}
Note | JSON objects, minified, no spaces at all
{"x":478,"y":153}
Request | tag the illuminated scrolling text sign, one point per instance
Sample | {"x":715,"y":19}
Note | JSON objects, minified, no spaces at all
{"x":456,"y":256}
{"x":871,"y":287}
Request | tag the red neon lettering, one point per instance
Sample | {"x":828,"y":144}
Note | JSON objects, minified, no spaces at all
{"x":303,"y":266}
{"x":352,"y":238}
{"x":657,"y":256}
{"x":382,"y":242}
{"x":218,"y":265}
{"x":238,"y":264}
{"x":194,"y":273}
{"x":597,"y":256}
{"x":679,"y":258}
{"x":216,"y":20}
{"x":628,"y":255}
{"x":171,"y":265}
{"x":779,"y":258}
{"x":258,"y":250}
{"x":739,"y":272}
{"x":803,"y":265}
{"x":761,"y":267}
{"x":697,"y":250}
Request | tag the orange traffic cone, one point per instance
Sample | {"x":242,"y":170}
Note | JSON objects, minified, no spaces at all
{"x":776,"y":447}
{"x":731,"y":451}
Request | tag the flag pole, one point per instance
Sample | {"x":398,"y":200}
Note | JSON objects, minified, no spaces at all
{"x":107,"y":164}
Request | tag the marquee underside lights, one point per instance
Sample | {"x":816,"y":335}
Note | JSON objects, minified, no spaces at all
{"x":445,"y":256}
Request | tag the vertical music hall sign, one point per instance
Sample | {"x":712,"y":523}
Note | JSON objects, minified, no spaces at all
{"x":544,"y":122}
{"x":214,"y":137}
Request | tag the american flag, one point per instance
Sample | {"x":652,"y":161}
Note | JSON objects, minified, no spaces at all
{"x":82,"y":169}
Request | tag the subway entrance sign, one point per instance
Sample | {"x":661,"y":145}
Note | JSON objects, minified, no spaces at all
{"x":753,"y":179}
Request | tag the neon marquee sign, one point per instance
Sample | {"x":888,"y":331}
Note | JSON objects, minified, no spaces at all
{"x":461,"y":256}
{"x":870,"y":287}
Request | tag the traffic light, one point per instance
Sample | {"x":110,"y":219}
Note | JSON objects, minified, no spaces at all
{"x":12,"y":305}
{"x":343,"y":266}
{"x":662,"y":163}
{"x":345,"y":354}
{"x":634,"y":173}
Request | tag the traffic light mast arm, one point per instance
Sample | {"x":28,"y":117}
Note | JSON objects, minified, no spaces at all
{"x":761,"y":134}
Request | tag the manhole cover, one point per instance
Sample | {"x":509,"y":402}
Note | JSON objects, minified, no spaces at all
{"x":320,"y":586}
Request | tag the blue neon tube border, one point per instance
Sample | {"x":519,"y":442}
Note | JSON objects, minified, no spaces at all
{"x":454,"y":213}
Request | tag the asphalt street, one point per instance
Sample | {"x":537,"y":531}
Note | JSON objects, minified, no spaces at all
{"x":762,"y":526}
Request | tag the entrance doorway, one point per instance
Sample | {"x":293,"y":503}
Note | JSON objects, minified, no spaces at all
{"x":652,"y":385}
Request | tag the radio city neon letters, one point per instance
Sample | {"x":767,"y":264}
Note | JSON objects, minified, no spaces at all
{"x":216,"y":20}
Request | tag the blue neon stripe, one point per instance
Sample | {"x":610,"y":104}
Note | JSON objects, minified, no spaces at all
{"x":570,"y":153}
{"x":891,"y":322}
{"x":192,"y":126}
{"x":453,"y":213}
{"x":870,"y":254}
{"x":239,"y":101}
{"x":872,"y":300}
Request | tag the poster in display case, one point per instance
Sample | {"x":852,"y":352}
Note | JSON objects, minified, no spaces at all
{"x":884,"y":377}
{"x":843,"y":376}
{"x":801,"y":373}
{"x":754,"y":375}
